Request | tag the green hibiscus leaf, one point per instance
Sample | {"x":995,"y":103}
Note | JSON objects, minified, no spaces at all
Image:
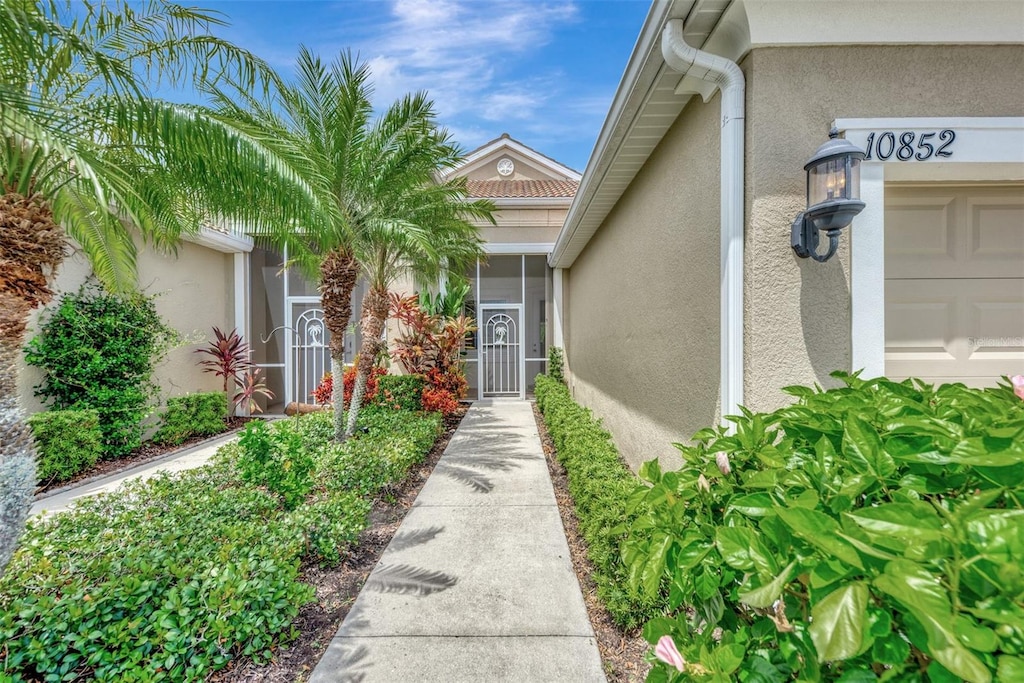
{"x":921,"y":593}
{"x":767,"y":594}
{"x":863,"y":447}
{"x":837,"y":625}
{"x":821,"y":531}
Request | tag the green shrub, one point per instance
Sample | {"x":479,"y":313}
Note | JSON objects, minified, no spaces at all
{"x":556,"y":363}
{"x":166,"y":579}
{"x":871,"y":530}
{"x":277,"y":459}
{"x":600,"y":484}
{"x":402,"y":392}
{"x":97,"y":351}
{"x":67,"y":442}
{"x":172,"y":578}
{"x":201,"y":414}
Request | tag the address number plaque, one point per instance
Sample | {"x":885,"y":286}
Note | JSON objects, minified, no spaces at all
{"x":910,"y":145}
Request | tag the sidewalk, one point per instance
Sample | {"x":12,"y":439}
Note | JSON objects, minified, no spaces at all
{"x":477,"y":585}
{"x":178,"y":461}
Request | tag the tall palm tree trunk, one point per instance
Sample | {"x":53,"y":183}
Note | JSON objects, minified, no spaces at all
{"x":338,"y":273}
{"x":375,"y":316}
{"x":31,"y":248}
{"x":17,"y":451}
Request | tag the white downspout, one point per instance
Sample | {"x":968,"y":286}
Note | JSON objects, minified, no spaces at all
{"x":727,"y":76}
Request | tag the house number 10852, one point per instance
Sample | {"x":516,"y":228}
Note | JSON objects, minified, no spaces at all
{"x":907,"y":145}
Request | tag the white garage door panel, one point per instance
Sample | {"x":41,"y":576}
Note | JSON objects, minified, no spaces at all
{"x":954,"y":232}
{"x":954,"y":328}
{"x":954,"y":288}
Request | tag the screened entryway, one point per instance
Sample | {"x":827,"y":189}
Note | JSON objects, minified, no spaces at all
{"x":511,"y":304}
{"x":289,"y":337}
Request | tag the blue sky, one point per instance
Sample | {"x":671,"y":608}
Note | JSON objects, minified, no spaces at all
{"x":542,"y":71}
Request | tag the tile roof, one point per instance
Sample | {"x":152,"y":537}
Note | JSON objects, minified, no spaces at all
{"x":497,"y":189}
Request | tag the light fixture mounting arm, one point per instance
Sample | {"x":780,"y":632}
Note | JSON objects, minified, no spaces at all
{"x":804,"y":239}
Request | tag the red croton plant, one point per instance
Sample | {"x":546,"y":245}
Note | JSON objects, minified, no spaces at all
{"x":430,"y":345}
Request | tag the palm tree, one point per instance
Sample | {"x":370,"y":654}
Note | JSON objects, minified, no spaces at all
{"x":87,"y":154}
{"x":418,"y":225}
{"x":374,"y":175}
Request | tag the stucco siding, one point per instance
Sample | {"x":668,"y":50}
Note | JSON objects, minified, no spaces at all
{"x":543,"y":230}
{"x":193,"y":293}
{"x":642,"y":301}
{"x":797,"y":319}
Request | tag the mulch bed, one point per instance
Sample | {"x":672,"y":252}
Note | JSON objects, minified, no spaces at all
{"x":622,"y":653}
{"x":337,"y":587}
{"x":147,"y":452}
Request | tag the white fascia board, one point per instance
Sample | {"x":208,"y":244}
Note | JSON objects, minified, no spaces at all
{"x":530,"y":202}
{"x":548,"y":163}
{"x":529,"y":248}
{"x":218,"y":241}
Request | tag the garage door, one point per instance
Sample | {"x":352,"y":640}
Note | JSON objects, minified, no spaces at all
{"x":954,"y":283}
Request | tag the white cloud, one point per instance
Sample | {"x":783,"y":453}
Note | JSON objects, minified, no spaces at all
{"x":463,"y":53}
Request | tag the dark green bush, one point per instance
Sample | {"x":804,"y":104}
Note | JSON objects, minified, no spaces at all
{"x":277,"y":459}
{"x":172,"y":578}
{"x":67,"y":442}
{"x":201,"y":414}
{"x":403,"y":392}
{"x":871,"y":531}
{"x":600,"y":484}
{"x":97,"y":351}
{"x":556,"y":363}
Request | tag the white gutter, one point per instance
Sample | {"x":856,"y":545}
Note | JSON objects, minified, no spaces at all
{"x":726,"y":75}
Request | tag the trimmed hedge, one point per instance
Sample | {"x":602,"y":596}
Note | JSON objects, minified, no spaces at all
{"x":404,"y":392}
{"x":201,"y":414}
{"x":173,"y":577}
{"x":601,"y":486}
{"x":67,"y":442}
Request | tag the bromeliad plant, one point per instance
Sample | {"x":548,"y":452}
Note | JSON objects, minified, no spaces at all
{"x":871,"y":532}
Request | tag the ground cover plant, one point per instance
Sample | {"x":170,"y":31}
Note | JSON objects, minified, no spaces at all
{"x":67,"y":442}
{"x":172,"y":578}
{"x":98,"y":352}
{"x":601,"y":486}
{"x":200,"y":414}
{"x":870,"y":532}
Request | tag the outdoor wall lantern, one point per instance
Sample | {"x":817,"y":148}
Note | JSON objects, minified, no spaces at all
{"x":833,"y":197}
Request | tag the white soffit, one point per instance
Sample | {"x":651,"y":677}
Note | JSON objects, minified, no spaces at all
{"x":645,"y":106}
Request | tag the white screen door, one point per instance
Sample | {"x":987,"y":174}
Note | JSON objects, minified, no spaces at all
{"x":501,"y":343}
{"x":309,"y":354}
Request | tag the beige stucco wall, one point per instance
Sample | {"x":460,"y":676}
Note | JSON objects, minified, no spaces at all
{"x":642,"y":299}
{"x":521,"y":226}
{"x":193,"y":293}
{"x":797,"y":321}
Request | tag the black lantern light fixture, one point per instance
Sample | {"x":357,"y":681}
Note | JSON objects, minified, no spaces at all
{"x":833,"y":197}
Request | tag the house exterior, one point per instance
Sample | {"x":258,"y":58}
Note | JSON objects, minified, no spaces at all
{"x":678,"y":295}
{"x":222,"y":278}
{"x":202,"y":286}
{"x":513,"y":289}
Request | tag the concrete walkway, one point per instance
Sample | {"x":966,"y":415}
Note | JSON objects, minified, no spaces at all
{"x":61,"y":499}
{"x":477,"y":585}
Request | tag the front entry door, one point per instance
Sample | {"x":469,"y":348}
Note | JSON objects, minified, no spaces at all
{"x":309,"y":354}
{"x":501,"y":337}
